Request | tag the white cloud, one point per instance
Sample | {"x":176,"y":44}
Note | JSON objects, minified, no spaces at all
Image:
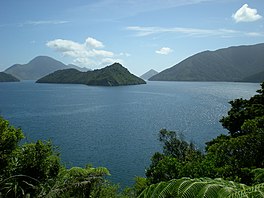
{"x":164,"y":50}
{"x":141,"y":31}
{"x":93,"y":43}
{"x":83,"y":54}
{"x":246,"y":14}
{"x":51,"y":22}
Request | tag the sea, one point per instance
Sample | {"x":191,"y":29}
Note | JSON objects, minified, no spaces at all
{"x":117,"y":127}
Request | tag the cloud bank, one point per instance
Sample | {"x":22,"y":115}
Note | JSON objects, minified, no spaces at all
{"x":86,"y":54}
{"x":164,"y":51}
{"x":246,"y":14}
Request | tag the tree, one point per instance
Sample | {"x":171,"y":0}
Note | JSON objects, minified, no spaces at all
{"x":179,"y":159}
{"x":234,"y":156}
{"x":34,"y":170}
{"x":9,"y":139}
{"x":242,"y":110}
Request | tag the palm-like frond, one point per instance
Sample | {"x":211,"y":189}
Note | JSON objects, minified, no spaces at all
{"x":74,"y":180}
{"x":251,"y":192}
{"x":194,"y":188}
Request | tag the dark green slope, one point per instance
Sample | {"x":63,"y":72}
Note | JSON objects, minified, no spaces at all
{"x":113,"y":75}
{"x":7,"y":78}
{"x":229,"y":64}
{"x":259,"y":77}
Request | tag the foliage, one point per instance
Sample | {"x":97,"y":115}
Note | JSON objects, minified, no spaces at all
{"x":243,"y":110}
{"x":76,"y":181}
{"x":179,"y":158}
{"x":202,"y":187}
{"x":9,"y":139}
{"x":233,"y":156}
{"x":34,"y":169}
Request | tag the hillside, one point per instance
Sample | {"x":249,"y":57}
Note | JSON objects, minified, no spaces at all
{"x":7,"y":77}
{"x":149,"y":74}
{"x":228,"y":64}
{"x":259,"y":77}
{"x":113,"y":75}
{"x":36,"y":68}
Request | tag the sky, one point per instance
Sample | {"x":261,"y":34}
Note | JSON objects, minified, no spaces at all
{"x":141,"y":35}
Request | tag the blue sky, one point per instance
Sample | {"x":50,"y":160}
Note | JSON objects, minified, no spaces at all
{"x":142,"y":35}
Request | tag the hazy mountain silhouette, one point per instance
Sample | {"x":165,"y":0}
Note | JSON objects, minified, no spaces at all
{"x":149,"y":74}
{"x":37,"y":68}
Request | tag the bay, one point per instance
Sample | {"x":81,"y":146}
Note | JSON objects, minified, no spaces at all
{"x":117,"y":127}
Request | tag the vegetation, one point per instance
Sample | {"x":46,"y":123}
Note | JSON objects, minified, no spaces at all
{"x":238,"y":156}
{"x":241,"y":63}
{"x":113,"y":75}
{"x":7,"y":77}
{"x":202,"y":187}
{"x":35,"y":170}
{"x":231,"y":166}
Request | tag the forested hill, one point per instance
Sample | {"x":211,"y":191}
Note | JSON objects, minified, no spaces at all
{"x":36,"y":68}
{"x":113,"y":75}
{"x":240,"y":63}
{"x":7,"y":77}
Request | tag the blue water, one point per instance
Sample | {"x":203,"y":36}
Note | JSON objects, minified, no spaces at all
{"x":117,"y":127}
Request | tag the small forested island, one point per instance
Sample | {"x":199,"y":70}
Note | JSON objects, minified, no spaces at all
{"x":113,"y":75}
{"x":7,"y":78}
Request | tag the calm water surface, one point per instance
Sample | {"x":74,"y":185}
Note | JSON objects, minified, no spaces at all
{"x":117,"y":127}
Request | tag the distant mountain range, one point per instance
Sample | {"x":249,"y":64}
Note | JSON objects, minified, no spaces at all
{"x":37,"y":68}
{"x":149,"y":74}
{"x":240,"y":63}
{"x":113,"y":75}
{"x":7,"y":77}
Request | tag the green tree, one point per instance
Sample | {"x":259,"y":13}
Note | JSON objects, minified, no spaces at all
{"x":234,"y":156}
{"x":35,"y":170}
{"x":179,"y":159}
{"x":242,"y":110}
{"x":9,"y":139}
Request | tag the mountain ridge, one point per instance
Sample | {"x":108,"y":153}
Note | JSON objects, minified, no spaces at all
{"x":4,"y":77}
{"x":149,"y":74}
{"x":36,"y":68}
{"x":234,"y":63}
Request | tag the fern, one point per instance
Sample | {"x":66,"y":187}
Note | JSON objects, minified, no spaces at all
{"x":202,"y":188}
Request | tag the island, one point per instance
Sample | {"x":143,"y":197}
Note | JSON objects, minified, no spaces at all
{"x":113,"y":75}
{"x":7,"y":77}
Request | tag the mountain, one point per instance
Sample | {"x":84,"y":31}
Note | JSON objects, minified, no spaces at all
{"x":228,"y":64}
{"x":149,"y":74}
{"x":36,"y":68}
{"x":7,"y":77}
{"x":259,"y":77}
{"x":113,"y":75}
{"x":82,"y":69}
